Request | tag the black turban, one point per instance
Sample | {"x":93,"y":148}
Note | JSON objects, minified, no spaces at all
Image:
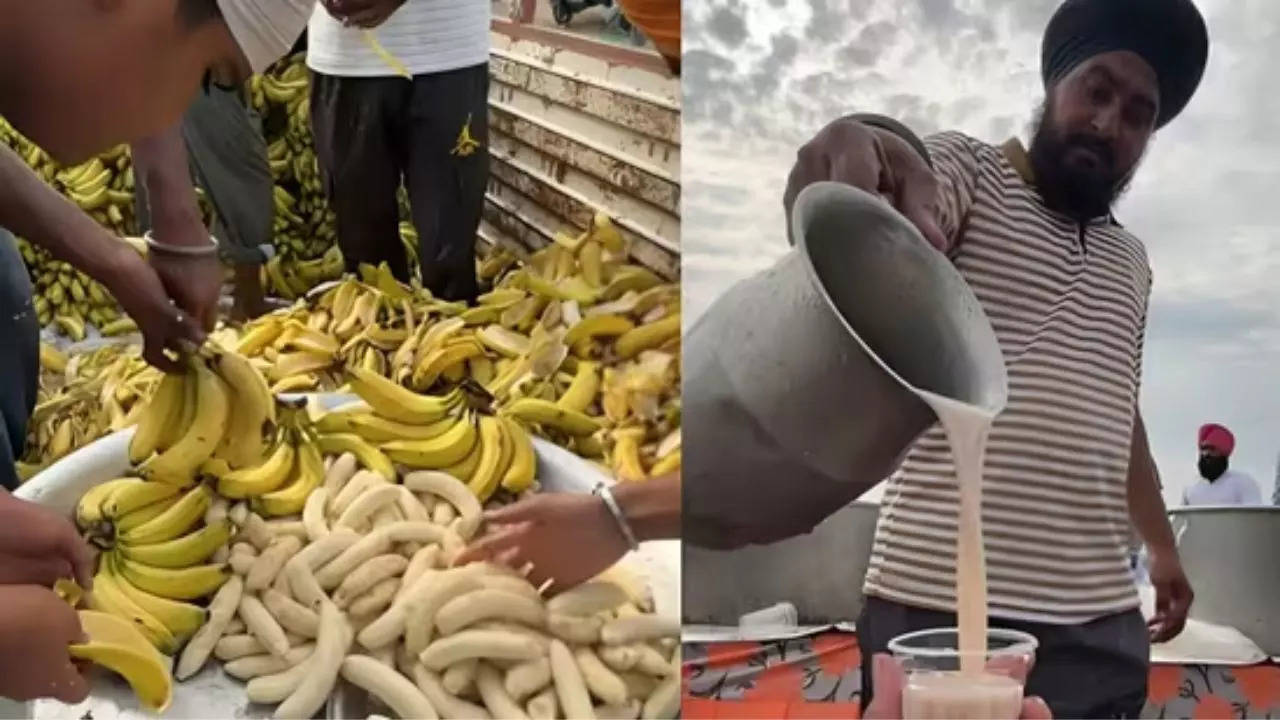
{"x":1169,"y":34}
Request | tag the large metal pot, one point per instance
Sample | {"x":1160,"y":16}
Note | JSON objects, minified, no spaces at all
{"x":1229,"y":555}
{"x":820,"y":573}
{"x":800,"y":381}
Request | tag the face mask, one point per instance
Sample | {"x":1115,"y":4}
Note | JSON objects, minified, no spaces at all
{"x":1212,"y":467}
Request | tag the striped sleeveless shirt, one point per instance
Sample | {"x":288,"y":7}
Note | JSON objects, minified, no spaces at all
{"x":1068,"y":303}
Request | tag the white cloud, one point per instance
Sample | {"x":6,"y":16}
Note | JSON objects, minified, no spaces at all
{"x":1205,"y":201}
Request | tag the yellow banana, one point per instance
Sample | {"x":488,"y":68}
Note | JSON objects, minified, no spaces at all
{"x":370,"y":457}
{"x":296,"y":383}
{"x":190,"y":549}
{"x":71,"y":326}
{"x":119,"y":326}
{"x":524,"y":462}
{"x":269,"y":475}
{"x":187,"y":583}
{"x":397,"y":402}
{"x":244,"y":442}
{"x":603,"y":230}
{"x":309,"y":473}
{"x":648,"y":336}
{"x":589,"y":256}
{"x":109,"y":597}
{"x":465,"y":468}
{"x":89,"y":509}
{"x":52,"y":359}
{"x":379,"y":430}
{"x":143,"y":515}
{"x":259,"y":337}
{"x":175,"y":521}
{"x":289,"y":364}
{"x":582,"y":391}
{"x":119,"y":646}
{"x":630,"y":278}
{"x":130,"y":496}
{"x":182,"y":619}
{"x":178,"y":464}
{"x":494,"y":443}
{"x":543,"y":412}
{"x":438,"y":452}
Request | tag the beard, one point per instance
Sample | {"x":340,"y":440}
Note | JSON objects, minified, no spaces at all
{"x":1079,"y":190}
{"x":1212,"y":467}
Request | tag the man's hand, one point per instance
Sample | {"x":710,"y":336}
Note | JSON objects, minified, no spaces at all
{"x":888,"y":679}
{"x":36,"y":628}
{"x":1173,"y":595}
{"x":194,"y":283}
{"x":568,"y":538}
{"x":873,"y":160}
{"x":40,"y":547}
{"x":144,"y":297}
{"x":362,"y":13}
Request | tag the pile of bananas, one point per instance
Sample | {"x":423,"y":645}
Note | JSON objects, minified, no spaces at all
{"x":574,"y":343}
{"x":83,"y":398}
{"x":304,"y":224}
{"x":68,"y":300}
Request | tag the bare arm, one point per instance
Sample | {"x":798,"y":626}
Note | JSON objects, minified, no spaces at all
{"x":1146,"y":505}
{"x":160,"y":164}
{"x":652,"y":508}
{"x":33,"y":210}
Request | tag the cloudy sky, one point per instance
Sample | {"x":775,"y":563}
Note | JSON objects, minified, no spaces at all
{"x":762,"y":76}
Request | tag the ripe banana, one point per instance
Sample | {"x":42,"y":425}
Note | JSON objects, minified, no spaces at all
{"x":187,"y":583}
{"x":135,"y":495}
{"x":173,"y":522}
{"x":178,"y":464}
{"x":143,"y":515}
{"x":255,"y":410}
{"x":399,"y":403}
{"x":519,"y":474}
{"x":595,"y":326}
{"x":308,"y":474}
{"x":438,"y":452}
{"x":190,"y":549}
{"x":379,"y":430}
{"x":89,"y":509}
{"x":120,"y":647}
{"x":543,"y":412}
{"x":162,"y":413}
{"x":182,"y":619}
{"x":108,"y":597}
{"x":494,"y":442}
{"x":264,"y":477}
{"x":370,"y":457}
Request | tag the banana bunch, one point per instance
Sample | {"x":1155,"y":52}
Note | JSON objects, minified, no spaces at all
{"x":118,"y":645}
{"x":290,"y":278}
{"x":70,"y":301}
{"x":161,"y":548}
{"x":81,"y":399}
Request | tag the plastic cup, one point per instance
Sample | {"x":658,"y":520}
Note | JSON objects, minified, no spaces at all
{"x":934,"y":688}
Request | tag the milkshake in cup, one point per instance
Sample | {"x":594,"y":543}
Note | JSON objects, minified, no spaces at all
{"x":935,"y":688}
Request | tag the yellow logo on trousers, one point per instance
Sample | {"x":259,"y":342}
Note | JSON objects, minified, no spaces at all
{"x":466,"y":144}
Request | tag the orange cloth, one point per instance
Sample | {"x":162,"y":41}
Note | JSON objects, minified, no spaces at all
{"x":659,"y":20}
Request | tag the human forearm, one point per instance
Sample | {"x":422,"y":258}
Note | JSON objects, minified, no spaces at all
{"x":652,"y":508}
{"x":1146,"y":505}
{"x":160,"y":163}
{"x":33,"y":210}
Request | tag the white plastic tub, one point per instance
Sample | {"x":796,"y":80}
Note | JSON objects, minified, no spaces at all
{"x":214,"y":694}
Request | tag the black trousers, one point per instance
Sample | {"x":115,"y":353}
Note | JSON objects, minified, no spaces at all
{"x":1095,"y":670}
{"x":19,"y":360}
{"x":432,"y":132}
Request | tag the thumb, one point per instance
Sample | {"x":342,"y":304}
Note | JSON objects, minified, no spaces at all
{"x":886,"y":689}
{"x":1033,"y":708}
{"x":917,"y":199}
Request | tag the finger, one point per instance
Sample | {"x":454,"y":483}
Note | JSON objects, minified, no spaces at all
{"x":153,"y":353}
{"x":70,"y":687}
{"x":1033,"y":708}
{"x":511,"y":558}
{"x":809,"y":168}
{"x":916,"y":198}
{"x":886,"y":688}
{"x":488,"y":547}
{"x":27,"y":570}
{"x":523,"y":511}
{"x":186,"y":328}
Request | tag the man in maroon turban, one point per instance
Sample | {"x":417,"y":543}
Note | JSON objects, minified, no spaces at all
{"x":1218,"y":484}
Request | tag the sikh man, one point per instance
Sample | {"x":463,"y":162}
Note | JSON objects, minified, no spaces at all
{"x":1218,"y":484}
{"x":1068,"y":472}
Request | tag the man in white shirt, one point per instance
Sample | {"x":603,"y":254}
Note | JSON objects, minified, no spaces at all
{"x":374,"y":126}
{"x":1219,"y":485}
